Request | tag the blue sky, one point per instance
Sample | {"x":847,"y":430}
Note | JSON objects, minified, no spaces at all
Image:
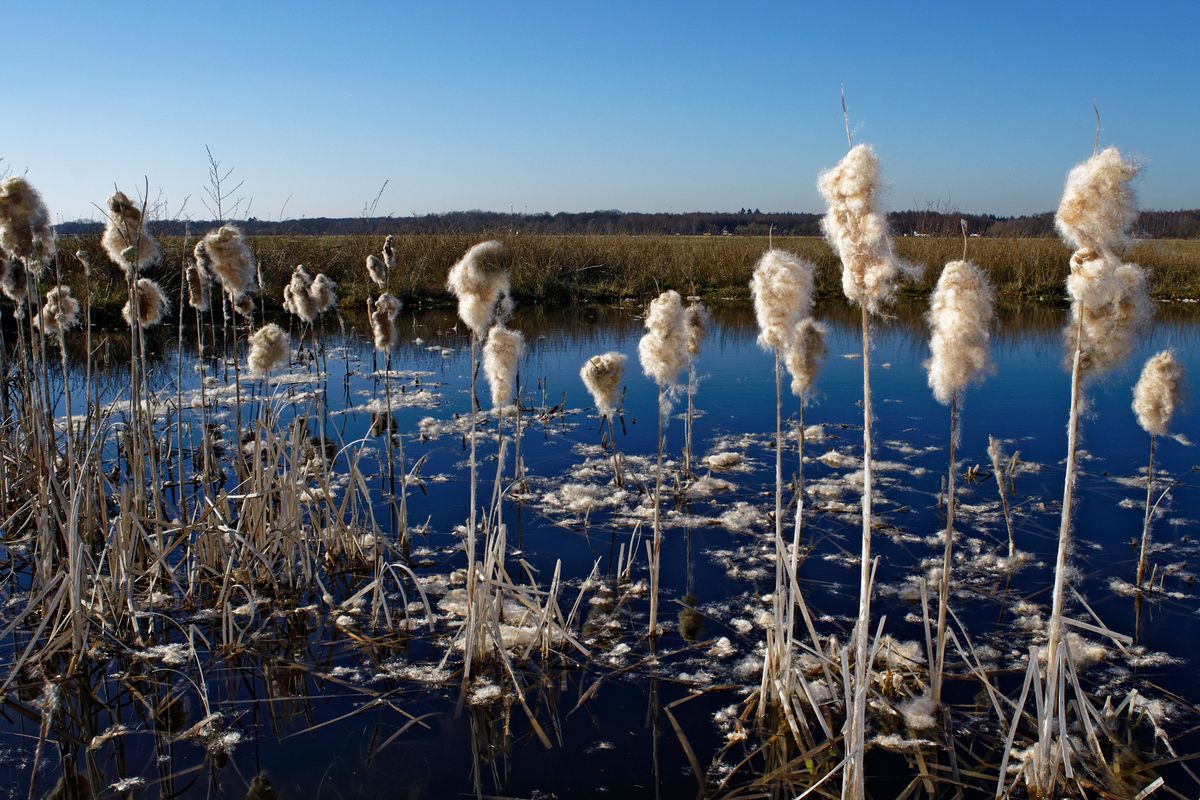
{"x":578,"y":106}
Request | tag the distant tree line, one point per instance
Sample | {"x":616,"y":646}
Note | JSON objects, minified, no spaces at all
{"x":1151,"y":224}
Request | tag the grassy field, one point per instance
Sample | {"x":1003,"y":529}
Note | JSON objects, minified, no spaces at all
{"x":600,"y":268}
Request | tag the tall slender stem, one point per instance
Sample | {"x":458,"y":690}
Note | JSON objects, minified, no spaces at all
{"x":947,"y":560}
{"x":656,"y":545}
{"x":1141,"y":570}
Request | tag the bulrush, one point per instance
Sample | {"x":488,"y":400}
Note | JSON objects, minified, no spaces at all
{"x":296,"y":297}
{"x":782,"y":289}
{"x":60,"y":313}
{"x":199,"y":287}
{"x":15,"y":283}
{"x":151,"y":303}
{"x":602,"y":378}
{"x":803,"y":354}
{"x":1109,"y":306}
{"x":377,"y":270}
{"x":501,"y":353}
{"x":1157,"y":394}
{"x":24,"y":223}
{"x":391,"y":259}
{"x":269,"y":349}
{"x":857,"y":229}
{"x":1098,"y":206}
{"x":961,"y":315}
{"x":480,"y":282}
{"x":125,"y":239}
{"x":383,"y":322}
{"x":663,"y":349}
{"x":323,"y":293}
{"x":232,"y":262}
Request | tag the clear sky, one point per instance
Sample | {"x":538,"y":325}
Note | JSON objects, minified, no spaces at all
{"x":570,"y":106}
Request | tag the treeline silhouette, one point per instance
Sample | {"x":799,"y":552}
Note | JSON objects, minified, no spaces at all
{"x":746,"y":222}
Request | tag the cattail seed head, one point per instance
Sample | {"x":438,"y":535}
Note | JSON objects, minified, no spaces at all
{"x":25,"y":223}
{"x":383,"y":322}
{"x":1158,"y":393}
{"x":663,"y":350}
{"x":480,"y":282}
{"x":243,"y":306}
{"x":391,"y":258}
{"x":1098,"y":204}
{"x":125,"y":239}
{"x":296,"y":297}
{"x":15,"y":283}
{"x":1109,"y":307}
{"x":377,"y":270}
{"x":803,"y":354}
{"x":501,"y":354}
{"x":857,"y":229}
{"x":198,"y":283}
{"x":270,"y":349}
{"x":232,"y":262}
{"x":602,"y":377}
{"x":961,"y":315}
{"x":696,"y":321}
{"x":323,"y":293}
{"x":150,"y":302}
{"x":59,"y":314}
{"x":782,"y":288}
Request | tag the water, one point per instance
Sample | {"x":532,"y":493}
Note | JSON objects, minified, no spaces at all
{"x":333,"y":710}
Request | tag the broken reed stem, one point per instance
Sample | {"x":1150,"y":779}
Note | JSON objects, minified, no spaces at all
{"x":947,"y":561}
{"x":472,"y":583}
{"x":1141,"y":569}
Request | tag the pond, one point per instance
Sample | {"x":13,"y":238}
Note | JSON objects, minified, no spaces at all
{"x":319,"y":700}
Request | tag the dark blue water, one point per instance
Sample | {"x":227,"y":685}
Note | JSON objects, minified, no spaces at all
{"x":285,"y":696}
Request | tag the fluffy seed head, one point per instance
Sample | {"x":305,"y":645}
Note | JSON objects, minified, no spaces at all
{"x":322,"y":293}
{"x":782,"y":288}
{"x":24,"y":223}
{"x":1098,"y":204}
{"x":961,"y":315}
{"x":501,"y":353}
{"x":383,"y":322}
{"x":296,"y":299}
{"x":377,"y":270}
{"x":60,"y":313}
{"x":1109,"y":307}
{"x":696,"y":321}
{"x":269,"y":349}
{"x":199,"y":283}
{"x":15,"y":283}
{"x":602,"y":377}
{"x":232,"y":262}
{"x":803,"y":354}
{"x":391,"y":258}
{"x":125,"y":239}
{"x":663,"y":350}
{"x":480,"y":282}
{"x":857,"y":229}
{"x":243,"y":306}
{"x":1158,"y":392}
{"x":150,"y":302}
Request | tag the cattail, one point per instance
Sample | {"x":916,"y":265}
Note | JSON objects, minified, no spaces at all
{"x":203,"y":259}
{"x":782,"y":288}
{"x":1098,"y":205}
{"x":15,"y":282}
{"x":391,"y":258}
{"x":1158,"y":393}
{"x":296,"y":297}
{"x":480,"y":282}
{"x":663,"y":350}
{"x":377,"y":270}
{"x":857,"y":229}
{"x":269,"y":349}
{"x":383,"y":322}
{"x":243,"y":306}
{"x":501,"y":352}
{"x":60,"y":313}
{"x":696,"y":321}
{"x":24,"y":223}
{"x":803,"y":354}
{"x":1109,"y":306}
{"x":151,"y":304}
{"x":602,"y":377}
{"x":961,"y":314}
{"x":322,"y":293}
{"x":125,"y":239}
{"x":198,"y":283}
{"x":232,"y":262}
